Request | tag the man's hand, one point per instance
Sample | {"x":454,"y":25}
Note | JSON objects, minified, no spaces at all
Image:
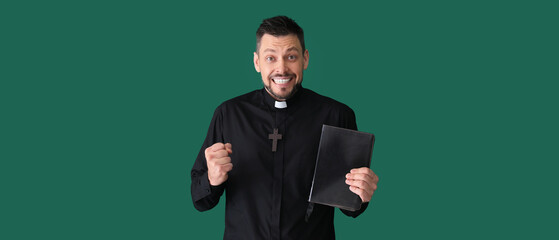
{"x":363,"y":182}
{"x":219,"y":162}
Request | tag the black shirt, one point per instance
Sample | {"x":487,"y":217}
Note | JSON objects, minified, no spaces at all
{"x":267,"y":192}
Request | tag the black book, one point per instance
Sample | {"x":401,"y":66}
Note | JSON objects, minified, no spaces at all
{"x":340,"y":150}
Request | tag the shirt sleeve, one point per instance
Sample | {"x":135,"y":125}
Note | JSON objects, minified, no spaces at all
{"x":205,"y":196}
{"x":347,"y":120}
{"x":356,"y":213}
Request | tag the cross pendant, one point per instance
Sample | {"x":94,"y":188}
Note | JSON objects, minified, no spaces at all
{"x":275,"y":137}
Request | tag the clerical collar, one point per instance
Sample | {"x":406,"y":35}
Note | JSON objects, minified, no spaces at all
{"x":282,"y":104}
{"x":291,"y":102}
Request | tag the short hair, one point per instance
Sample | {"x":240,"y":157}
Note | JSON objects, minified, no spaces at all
{"x":279,"y":26}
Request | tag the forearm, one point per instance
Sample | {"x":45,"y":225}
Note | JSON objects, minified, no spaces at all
{"x":204,"y":196}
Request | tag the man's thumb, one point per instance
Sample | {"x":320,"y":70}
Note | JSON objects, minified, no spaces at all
{"x":229,"y":148}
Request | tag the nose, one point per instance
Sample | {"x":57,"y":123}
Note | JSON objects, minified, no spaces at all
{"x":281,"y":66}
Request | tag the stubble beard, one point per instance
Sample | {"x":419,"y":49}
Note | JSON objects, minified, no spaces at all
{"x":283,"y":98}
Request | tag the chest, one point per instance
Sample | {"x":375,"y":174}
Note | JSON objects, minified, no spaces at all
{"x":251,"y":132}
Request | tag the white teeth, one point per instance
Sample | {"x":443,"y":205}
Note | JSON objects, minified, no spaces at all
{"x":281,"y":81}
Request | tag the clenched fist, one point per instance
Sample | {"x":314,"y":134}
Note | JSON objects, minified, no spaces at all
{"x":219,"y":162}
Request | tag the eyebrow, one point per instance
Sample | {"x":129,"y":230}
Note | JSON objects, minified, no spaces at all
{"x":288,"y":50}
{"x":293,"y":49}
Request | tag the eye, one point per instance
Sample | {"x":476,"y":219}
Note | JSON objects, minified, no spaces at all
{"x":269,"y":59}
{"x":292,"y":57}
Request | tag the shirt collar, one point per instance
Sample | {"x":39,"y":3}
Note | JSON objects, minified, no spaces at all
{"x":291,"y":102}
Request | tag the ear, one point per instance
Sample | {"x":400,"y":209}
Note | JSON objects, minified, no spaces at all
{"x":305,"y":59}
{"x":256,"y":66}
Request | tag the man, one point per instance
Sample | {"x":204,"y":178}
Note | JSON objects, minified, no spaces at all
{"x":261,"y":148}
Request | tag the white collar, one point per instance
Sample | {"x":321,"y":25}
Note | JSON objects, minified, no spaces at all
{"x":282,"y":104}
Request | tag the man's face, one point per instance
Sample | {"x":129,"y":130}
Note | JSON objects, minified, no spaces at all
{"x":281,"y":61}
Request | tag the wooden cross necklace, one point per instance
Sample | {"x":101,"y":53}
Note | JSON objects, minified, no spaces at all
{"x":275,"y":136}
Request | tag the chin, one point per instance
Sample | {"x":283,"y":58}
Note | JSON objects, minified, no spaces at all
{"x":283,"y":94}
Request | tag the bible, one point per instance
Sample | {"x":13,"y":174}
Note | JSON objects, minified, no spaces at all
{"x":339,"y":151}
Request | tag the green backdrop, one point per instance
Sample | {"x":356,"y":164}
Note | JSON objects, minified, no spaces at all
{"x":105,"y":104}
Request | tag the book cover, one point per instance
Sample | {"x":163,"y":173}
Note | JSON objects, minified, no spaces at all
{"x":339,"y":151}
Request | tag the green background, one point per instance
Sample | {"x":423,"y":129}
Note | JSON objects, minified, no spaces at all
{"x":105,"y":104}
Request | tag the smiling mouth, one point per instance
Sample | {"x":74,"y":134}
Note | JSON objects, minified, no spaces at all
{"x":281,"y":80}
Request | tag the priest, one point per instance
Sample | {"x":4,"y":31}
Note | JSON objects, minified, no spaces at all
{"x":261,"y":148}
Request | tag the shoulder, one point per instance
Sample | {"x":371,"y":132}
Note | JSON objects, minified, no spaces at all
{"x":328,"y":102}
{"x":339,"y":114}
{"x":239,"y":101}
